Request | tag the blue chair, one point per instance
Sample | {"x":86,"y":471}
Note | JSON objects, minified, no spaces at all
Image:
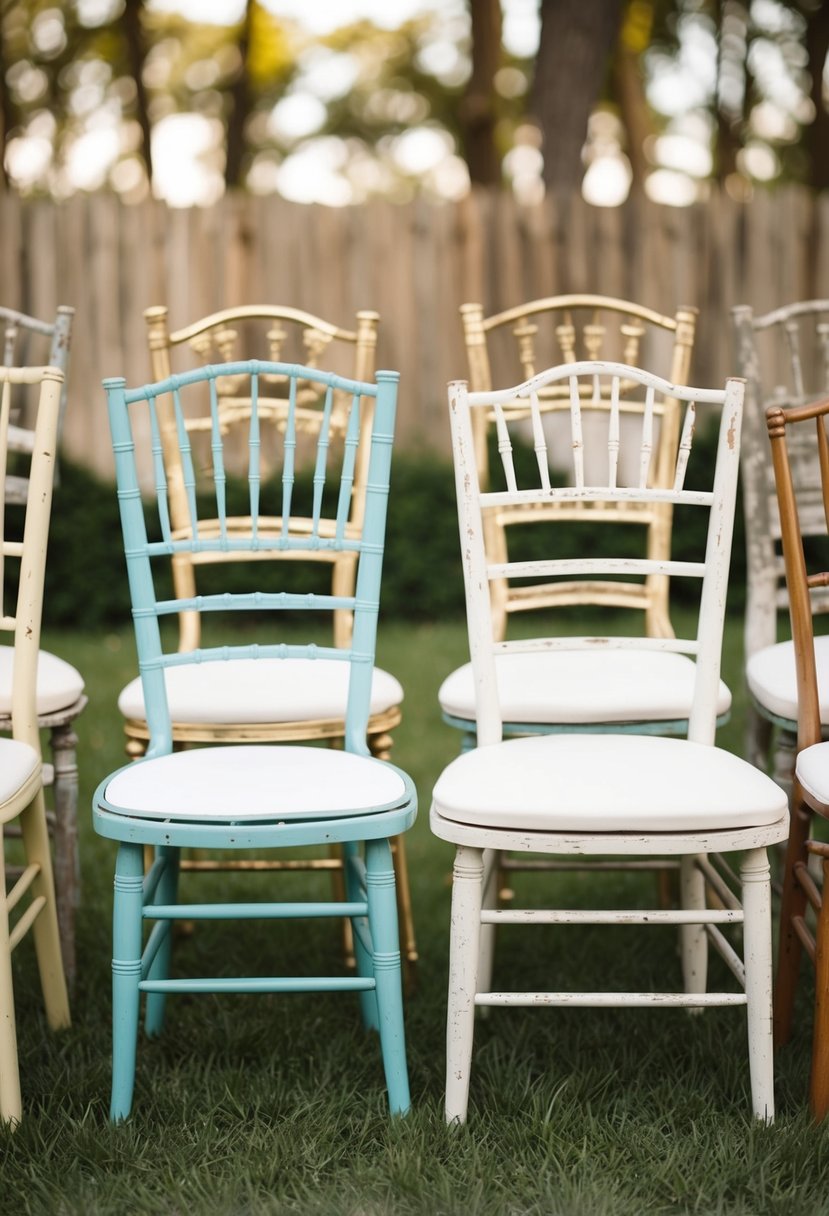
{"x":250,"y":796}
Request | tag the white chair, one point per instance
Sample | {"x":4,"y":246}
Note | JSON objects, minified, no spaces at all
{"x":784,"y":356}
{"x":27,"y":341}
{"x":679,"y":801}
{"x":31,"y":898}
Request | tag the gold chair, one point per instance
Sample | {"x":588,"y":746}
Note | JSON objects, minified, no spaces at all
{"x":21,"y":765}
{"x":562,"y":329}
{"x":241,"y":705}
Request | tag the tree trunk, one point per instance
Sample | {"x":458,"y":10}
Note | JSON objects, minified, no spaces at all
{"x":576,"y":39}
{"x":817,"y":134}
{"x":477,"y":113}
{"x":240,"y":102}
{"x":136,"y":57}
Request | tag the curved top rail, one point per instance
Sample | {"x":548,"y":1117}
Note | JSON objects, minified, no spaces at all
{"x":246,"y":367}
{"x":253,"y":312}
{"x":33,"y":323}
{"x":598,"y":367}
{"x":608,"y":303}
{"x":790,"y":310}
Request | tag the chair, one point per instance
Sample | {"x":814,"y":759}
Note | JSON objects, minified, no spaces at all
{"x":228,"y":707}
{"x":252,"y":795}
{"x":541,"y":694}
{"x":60,"y":687}
{"x":581,"y":796}
{"x":787,"y":349}
{"x":791,"y":434}
{"x":21,"y":766}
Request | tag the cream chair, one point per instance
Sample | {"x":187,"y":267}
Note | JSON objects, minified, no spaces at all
{"x":32,"y":897}
{"x":234,"y":703}
{"x":60,"y":687}
{"x":581,"y":797}
{"x":784,"y":356}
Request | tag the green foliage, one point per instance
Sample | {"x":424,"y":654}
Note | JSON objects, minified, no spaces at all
{"x":86,"y":582}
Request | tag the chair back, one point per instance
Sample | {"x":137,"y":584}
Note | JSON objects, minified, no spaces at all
{"x":784,"y":357}
{"x":526,"y":484}
{"x":564,"y":329}
{"x":28,"y":342}
{"x":155,"y":416}
{"x":278,"y":334}
{"x":792,"y":431}
{"x":24,"y":623}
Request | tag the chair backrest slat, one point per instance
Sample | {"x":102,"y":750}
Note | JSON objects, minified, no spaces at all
{"x":708,"y":568}
{"x":261,"y":536}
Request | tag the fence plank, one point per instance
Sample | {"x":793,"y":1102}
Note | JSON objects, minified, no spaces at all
{"x":414,"y":263}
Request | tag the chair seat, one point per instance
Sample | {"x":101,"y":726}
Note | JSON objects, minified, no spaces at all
{"x":606,"y":783}
{"x":18,"y":761}
{"x":771,"y":678}
{"x":261,"y":690}
{"x":240,"y":784}
{"x":812,"y":771}
{"x":583,"y":686}
{"x":59,"y":685}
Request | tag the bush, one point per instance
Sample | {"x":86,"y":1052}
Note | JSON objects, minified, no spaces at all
{"x":86,"y":582}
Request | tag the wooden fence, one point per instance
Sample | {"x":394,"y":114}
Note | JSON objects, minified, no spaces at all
{"x":414,"y":264}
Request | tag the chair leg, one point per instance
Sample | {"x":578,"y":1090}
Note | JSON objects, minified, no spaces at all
{"x":45,"y":928}
{"x":693,"y":938}
{"x":64,"y":744}
{"x":819,"y":1079}
{"x":755,"y":874}
{"x":486,"y":946}
{"x":792,"y":908}
{"x":464,"y":947}
{"x":362,"y":959}
{"x":126,"y":974}
{"x":385,"y":941}
{"x":408,"y":941}
{"x":166,"y":893}
{"x":757,"y":739}
{"x":11,"y":1105}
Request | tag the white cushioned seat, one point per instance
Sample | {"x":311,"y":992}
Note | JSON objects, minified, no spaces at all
{"x":813,"y":771}
{"x":260,"y":690}
{"x":771,"y":678}
{"x":583,"y":686}
{"x":59,"y":685}
{"x":255,"y":782}
{"x":18,"y":761}
{"x":606,"y":783}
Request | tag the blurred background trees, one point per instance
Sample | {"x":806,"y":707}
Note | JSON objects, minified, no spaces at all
{"x":609,"y":96}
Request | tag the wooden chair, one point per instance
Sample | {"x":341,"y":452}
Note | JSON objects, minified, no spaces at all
{"x":32,"y":896}
{"x":791,"y":431}
{"x":227,"y":706}
{"x":254,"y":795}
{"x":784,"y":356}
{"x":539,"y":695}
{"x":618,"y":796}
{"x":60,"y":687}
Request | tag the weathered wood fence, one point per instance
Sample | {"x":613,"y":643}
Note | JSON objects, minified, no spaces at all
{"x":414,"y":264}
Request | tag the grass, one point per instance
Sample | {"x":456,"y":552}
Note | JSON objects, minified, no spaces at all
{"x":275,"y":1105}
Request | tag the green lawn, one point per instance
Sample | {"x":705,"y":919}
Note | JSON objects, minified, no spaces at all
{"x":275,"y":1104}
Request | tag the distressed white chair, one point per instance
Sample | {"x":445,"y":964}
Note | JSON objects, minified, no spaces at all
{"x":792,"y":431}
{"x":235,"y":703}
{"x":247,"y":796}
{"x":60,"y":687}
{"x":32,"y":897}
{"x":679,"y":801}
{"x":784,"y":356}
